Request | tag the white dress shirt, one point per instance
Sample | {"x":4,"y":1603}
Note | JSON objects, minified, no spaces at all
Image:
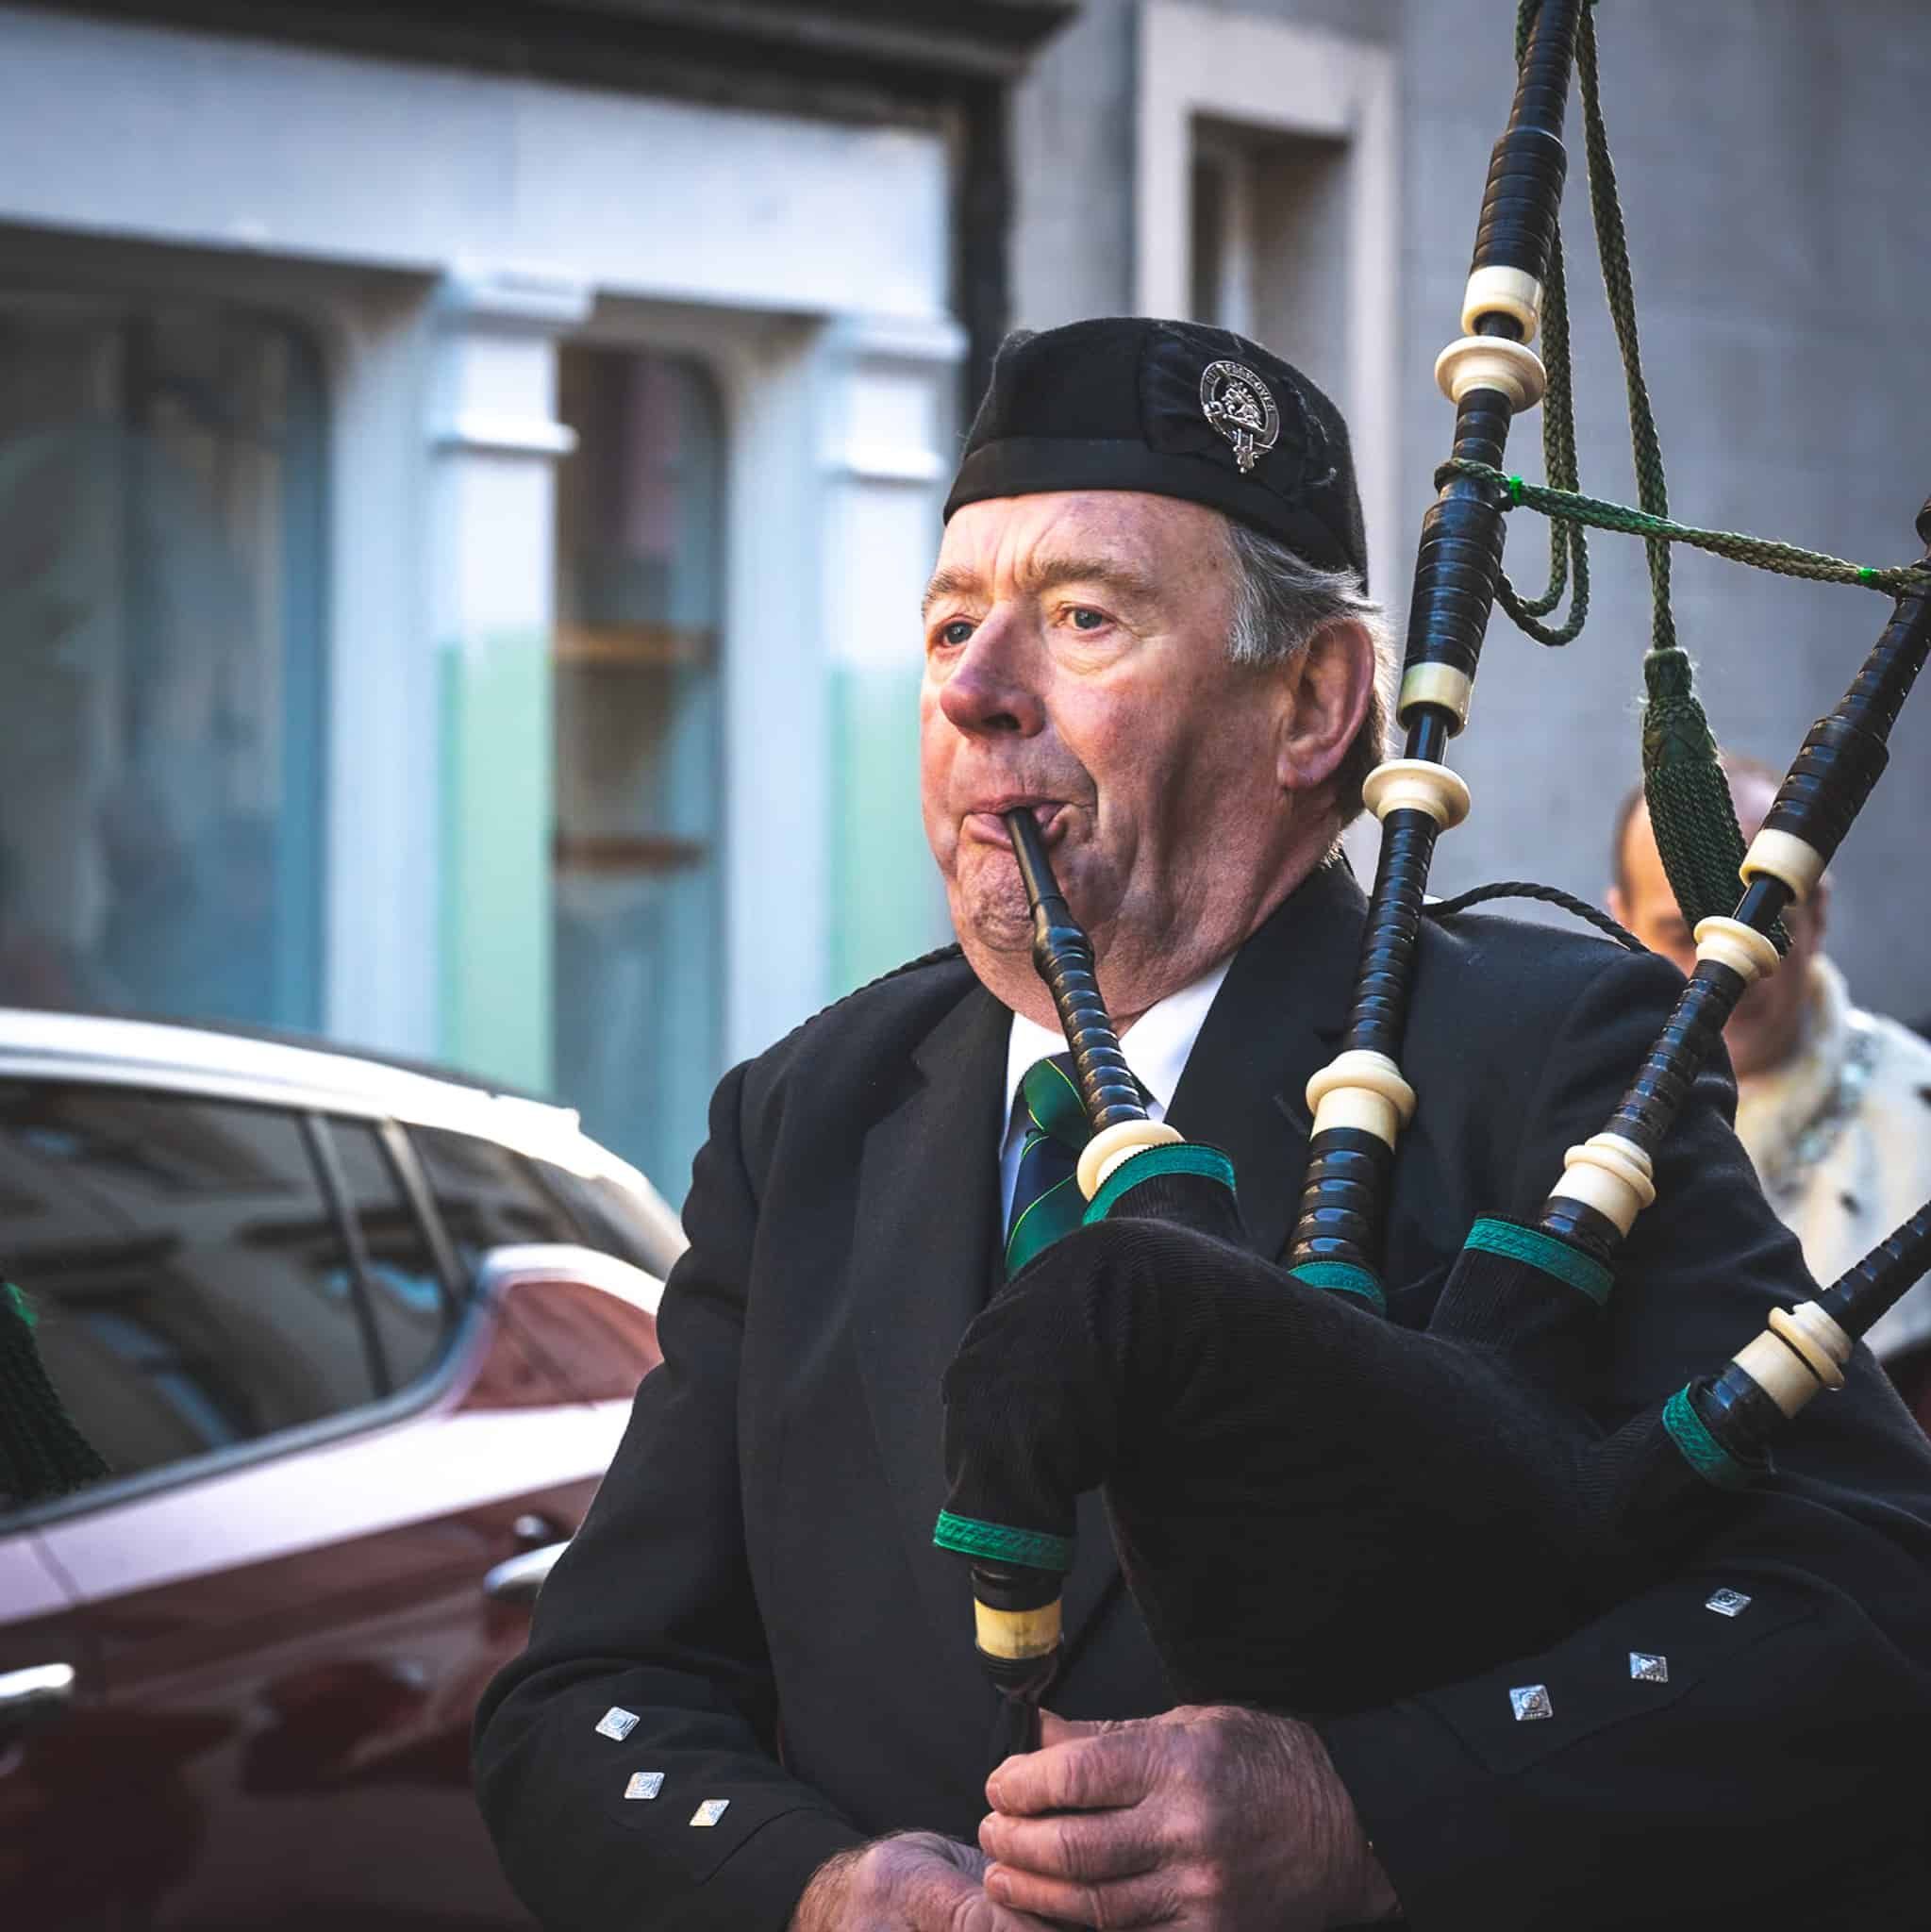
{"x":1156,"y":1047}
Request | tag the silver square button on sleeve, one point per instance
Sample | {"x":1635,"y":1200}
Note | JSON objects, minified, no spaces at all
{"x":709,"y":1812}
{"x":1530,"y":1700}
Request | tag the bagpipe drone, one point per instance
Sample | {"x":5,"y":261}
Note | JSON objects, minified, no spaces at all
{"x":1256,"y":1428}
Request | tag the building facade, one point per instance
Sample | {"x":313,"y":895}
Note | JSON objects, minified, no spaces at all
{"x":466,"y":476}
{"x":1312,"y":169}
{"x":467,"y":489}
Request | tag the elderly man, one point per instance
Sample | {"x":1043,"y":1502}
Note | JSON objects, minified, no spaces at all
{"x":1833,"y":1103}
{"x":751,"y":1700}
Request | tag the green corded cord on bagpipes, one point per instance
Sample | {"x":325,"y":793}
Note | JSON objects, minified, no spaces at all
{"x":1690,"y":806}
{"x":42,"y":1453}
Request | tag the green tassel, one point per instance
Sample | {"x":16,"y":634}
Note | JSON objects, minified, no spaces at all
{"x":42,"y":1453}
{"x":1689,"y":807}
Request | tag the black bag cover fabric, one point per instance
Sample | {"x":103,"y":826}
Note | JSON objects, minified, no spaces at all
{"x":1314,"y":1509}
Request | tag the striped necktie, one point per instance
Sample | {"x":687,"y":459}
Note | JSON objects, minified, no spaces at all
{"x":1046,"y":1200}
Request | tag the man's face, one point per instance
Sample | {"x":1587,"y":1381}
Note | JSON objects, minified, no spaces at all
{"x":1076,"y":663}
{"x":1767,"y":1027}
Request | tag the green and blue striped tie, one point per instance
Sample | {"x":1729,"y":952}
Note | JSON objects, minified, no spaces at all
{"x":1046,"y":1200}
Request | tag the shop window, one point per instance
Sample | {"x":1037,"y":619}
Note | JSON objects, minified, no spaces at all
{"x":160,"y":681}
{"x":639,"y":972}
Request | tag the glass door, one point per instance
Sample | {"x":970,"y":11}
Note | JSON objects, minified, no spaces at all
{"x":161,"y":682}
{"x":639,"y":773}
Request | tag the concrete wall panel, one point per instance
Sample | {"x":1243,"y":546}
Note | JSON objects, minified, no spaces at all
{"x":1770,"y":155}
{"x":137,"y":130}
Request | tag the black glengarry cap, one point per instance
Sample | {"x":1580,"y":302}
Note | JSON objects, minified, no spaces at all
{"x":1174,"y":409}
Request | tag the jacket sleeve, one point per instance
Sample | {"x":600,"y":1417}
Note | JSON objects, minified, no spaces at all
{"x":649,"y":1617}
{"x":1688,"y":1754}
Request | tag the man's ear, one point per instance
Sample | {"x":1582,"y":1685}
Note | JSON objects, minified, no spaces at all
{"x":1330,"y":683}
{"x":1615,"y":904}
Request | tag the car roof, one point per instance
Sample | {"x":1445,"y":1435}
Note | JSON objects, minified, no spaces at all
{"x":289,"y":1070}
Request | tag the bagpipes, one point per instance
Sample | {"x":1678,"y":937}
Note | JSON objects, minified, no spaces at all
{"x":1256,"y":1430}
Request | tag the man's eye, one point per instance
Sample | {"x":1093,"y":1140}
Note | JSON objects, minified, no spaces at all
{"x":1086,"y":619}
{"x":957,"y":632}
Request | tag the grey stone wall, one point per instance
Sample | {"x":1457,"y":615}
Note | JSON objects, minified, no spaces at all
{"x":1770,"y":157}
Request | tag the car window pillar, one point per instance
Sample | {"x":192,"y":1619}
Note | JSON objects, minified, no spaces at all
{"x":422,"y":1201}
{"x":329,"y":1170}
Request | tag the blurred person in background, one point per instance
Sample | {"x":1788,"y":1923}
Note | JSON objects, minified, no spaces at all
{"x":1833,"y":1103}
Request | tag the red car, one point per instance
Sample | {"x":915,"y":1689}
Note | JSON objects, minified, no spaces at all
{"x":357,"y":1342}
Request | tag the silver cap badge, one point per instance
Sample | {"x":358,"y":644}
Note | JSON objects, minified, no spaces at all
{"x":1240,"y":406}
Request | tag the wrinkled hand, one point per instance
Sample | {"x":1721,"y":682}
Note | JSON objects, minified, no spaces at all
{"x":1212,"y":1818}
{"x":913,"y":1882}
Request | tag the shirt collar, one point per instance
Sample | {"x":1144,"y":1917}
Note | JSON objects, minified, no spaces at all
{"x":1156,"y":1045}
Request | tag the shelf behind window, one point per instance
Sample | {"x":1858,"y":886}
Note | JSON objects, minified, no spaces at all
{"x":647,"y":852}
{"x":634,"y":646}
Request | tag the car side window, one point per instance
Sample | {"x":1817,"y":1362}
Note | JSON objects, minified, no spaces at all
{"x":612,"y":1220}
{"x":407,"y":1297}
{"x":190,"y":1282}
{"x":490,"y":1196}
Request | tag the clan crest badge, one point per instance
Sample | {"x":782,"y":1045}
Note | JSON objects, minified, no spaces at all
{"x":1238,"y":404}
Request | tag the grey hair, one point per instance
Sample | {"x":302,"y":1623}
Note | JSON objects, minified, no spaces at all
{"x":1281,"y":604}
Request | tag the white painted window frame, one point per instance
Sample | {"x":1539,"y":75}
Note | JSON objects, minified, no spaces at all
{"x":1198,"y":61}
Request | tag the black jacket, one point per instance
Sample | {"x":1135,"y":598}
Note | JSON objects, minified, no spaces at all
{"x":756,"y":1581}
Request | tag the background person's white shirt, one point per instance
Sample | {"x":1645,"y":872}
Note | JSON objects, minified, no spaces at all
{"x":1157,"y":1046}
{"x":1840,"y":1137}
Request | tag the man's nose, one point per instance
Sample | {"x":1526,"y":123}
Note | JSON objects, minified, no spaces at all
{"x":992,"y":689}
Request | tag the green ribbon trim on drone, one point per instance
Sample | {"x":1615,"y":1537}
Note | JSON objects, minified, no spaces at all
{"x":1177,"y":1156}
{"x":1546,"y":1252}
{"x":1701,"y":1450}
{"x":1343,"y":1277}
{"x":15,"y":1298}
{"x":967,"y":1536}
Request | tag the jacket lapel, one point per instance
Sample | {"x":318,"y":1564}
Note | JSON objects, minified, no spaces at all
{"x":927,"y":1215}
{"x":1275,"y":1023}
